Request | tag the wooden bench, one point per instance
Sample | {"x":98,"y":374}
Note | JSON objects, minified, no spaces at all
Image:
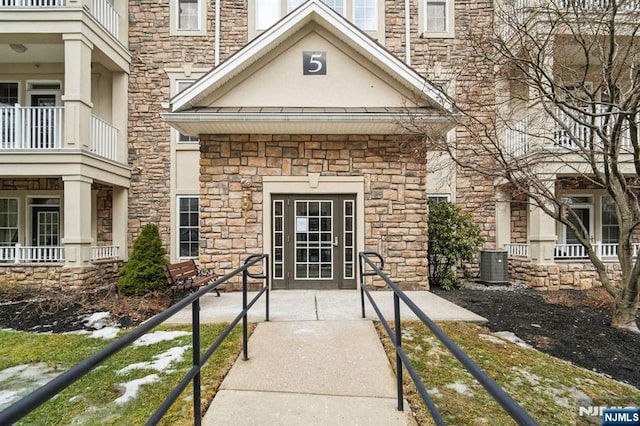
{"x":186,"y":277}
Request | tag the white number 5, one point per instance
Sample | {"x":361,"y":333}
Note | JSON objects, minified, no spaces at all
{"x":315,"y":59}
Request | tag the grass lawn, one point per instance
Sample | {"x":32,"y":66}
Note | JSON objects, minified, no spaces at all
{"x":546,"y":387}
{"x":94,"y":398}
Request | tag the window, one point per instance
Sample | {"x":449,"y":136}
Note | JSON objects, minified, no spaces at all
{"x":363,"y":13}
{"x":8,"y":93}
{"x":180,"y":86}
{"x":267,"y":13}
{"x":437,"y":18}
{"x":188,"y":227}
{"x":610,"y":228}
{"x":8,"y":221}
{"x":438,"y":198}
{"x":188,"y":17}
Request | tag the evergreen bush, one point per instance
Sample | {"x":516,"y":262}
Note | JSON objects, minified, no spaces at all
{"x":453,"y":241}
{"x":143,"y":273}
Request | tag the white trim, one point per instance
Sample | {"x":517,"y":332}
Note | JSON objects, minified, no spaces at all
{"x":177,"y":224}
{"x":19,"y":83}
{"x":311,"y":11}
{"x":310,"y":185}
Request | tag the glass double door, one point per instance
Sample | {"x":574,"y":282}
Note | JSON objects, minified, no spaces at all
{"x":313,"y":242}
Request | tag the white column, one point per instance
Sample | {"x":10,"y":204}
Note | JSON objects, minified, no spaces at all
{"x":77,"y":91}
{"x":542,"y":231}
{"x":503,"y":217}
{"x":120,"y":220}
{"x":77,"y":238}
{"x":120,"y":112}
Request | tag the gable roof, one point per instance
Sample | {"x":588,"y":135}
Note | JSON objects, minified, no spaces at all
{"x":192,"y":111}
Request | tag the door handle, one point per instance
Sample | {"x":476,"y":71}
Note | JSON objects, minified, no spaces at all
{"x":335,"y":241}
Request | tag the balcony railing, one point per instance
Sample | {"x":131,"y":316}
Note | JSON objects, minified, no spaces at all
{"x":516,"y":142}
{"x":101,"y":10}
{"x":571,"y":251}
{"x":30,"y":127}
{"x":517,"y":249}
{"x":31,"y":254}
{"x":104,"y":252}
{"x":40,"y":128}
{"x":629,"y":5}
{"x":104,"y":138}
{"x":50,"y":254}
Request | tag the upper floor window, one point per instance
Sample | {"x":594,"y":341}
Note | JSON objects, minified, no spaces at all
{"x":363,"y":13}
{"x":437,"y":18}
{"x":188,"y":17}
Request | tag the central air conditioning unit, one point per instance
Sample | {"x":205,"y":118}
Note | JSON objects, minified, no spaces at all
{"x":494,"y":266}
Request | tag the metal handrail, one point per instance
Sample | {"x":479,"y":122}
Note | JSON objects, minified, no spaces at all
{"x":497,"y":393}
{"x":41,"y":395}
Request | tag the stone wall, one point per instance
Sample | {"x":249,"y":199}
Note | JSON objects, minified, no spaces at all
{"x":57,"y":278}
{"x":562,"y":275}
{"x":395,"y":206}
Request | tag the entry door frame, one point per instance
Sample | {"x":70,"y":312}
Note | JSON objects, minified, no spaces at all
{"x":310,"y":185}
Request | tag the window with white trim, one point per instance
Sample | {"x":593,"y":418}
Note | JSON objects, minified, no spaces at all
{"x":365,"y":14}
{"x":188,"y":227}
{"x":8,"y":221}
{"x":180,"y":86}
{"x":437,"y":18}
{"x":188,"y":17}
{"x":438,"y":198}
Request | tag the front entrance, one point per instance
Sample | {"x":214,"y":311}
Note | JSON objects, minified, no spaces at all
{"x":313,"y":241}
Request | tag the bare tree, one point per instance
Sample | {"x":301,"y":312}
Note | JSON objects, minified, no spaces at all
{"x":564,"y":114}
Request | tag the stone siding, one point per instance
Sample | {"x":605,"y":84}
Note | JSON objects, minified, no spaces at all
{"x":562,"y":275}
{"x":57,"y":278}
{"x":395,"y":206}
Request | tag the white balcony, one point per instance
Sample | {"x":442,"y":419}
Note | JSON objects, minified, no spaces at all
{"x":40,"y":128}
{"x":31,"y":254}
{"x":516,"y":143}
{"x":608,"y":251}
{"x":50,"y":254}
{"x":101,"y":10}
{"x":630,"y":5}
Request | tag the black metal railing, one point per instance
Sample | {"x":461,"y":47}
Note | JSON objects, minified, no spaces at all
{"x":41,"y":395}
{"x":508,"y":404}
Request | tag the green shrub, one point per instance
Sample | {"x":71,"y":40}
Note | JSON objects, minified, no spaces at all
{"x":143,"y":273}
{"x":453,"y":240}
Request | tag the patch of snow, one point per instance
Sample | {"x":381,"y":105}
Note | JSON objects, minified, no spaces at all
{"x":20,"y":380}
{"x":97,"y":320}
{"x":434,"y":393}
{"x":159,"y":336}
{"x":460,"y":387}
{"x":491,"y":338}
{"x":529,"y":376}
{"x":131,"y":388}
{"x":105,"y":333}
{"x":161,"y":361}
{"x":510,"y":337}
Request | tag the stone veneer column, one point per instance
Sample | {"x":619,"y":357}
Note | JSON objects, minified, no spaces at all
{"x":77,"y":220}
{"x":77,"y":91}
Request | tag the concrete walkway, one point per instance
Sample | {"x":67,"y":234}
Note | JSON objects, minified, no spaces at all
{"x":317,"y":362}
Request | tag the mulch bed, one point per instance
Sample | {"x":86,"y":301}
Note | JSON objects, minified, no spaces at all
{"x":568,"y":324}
